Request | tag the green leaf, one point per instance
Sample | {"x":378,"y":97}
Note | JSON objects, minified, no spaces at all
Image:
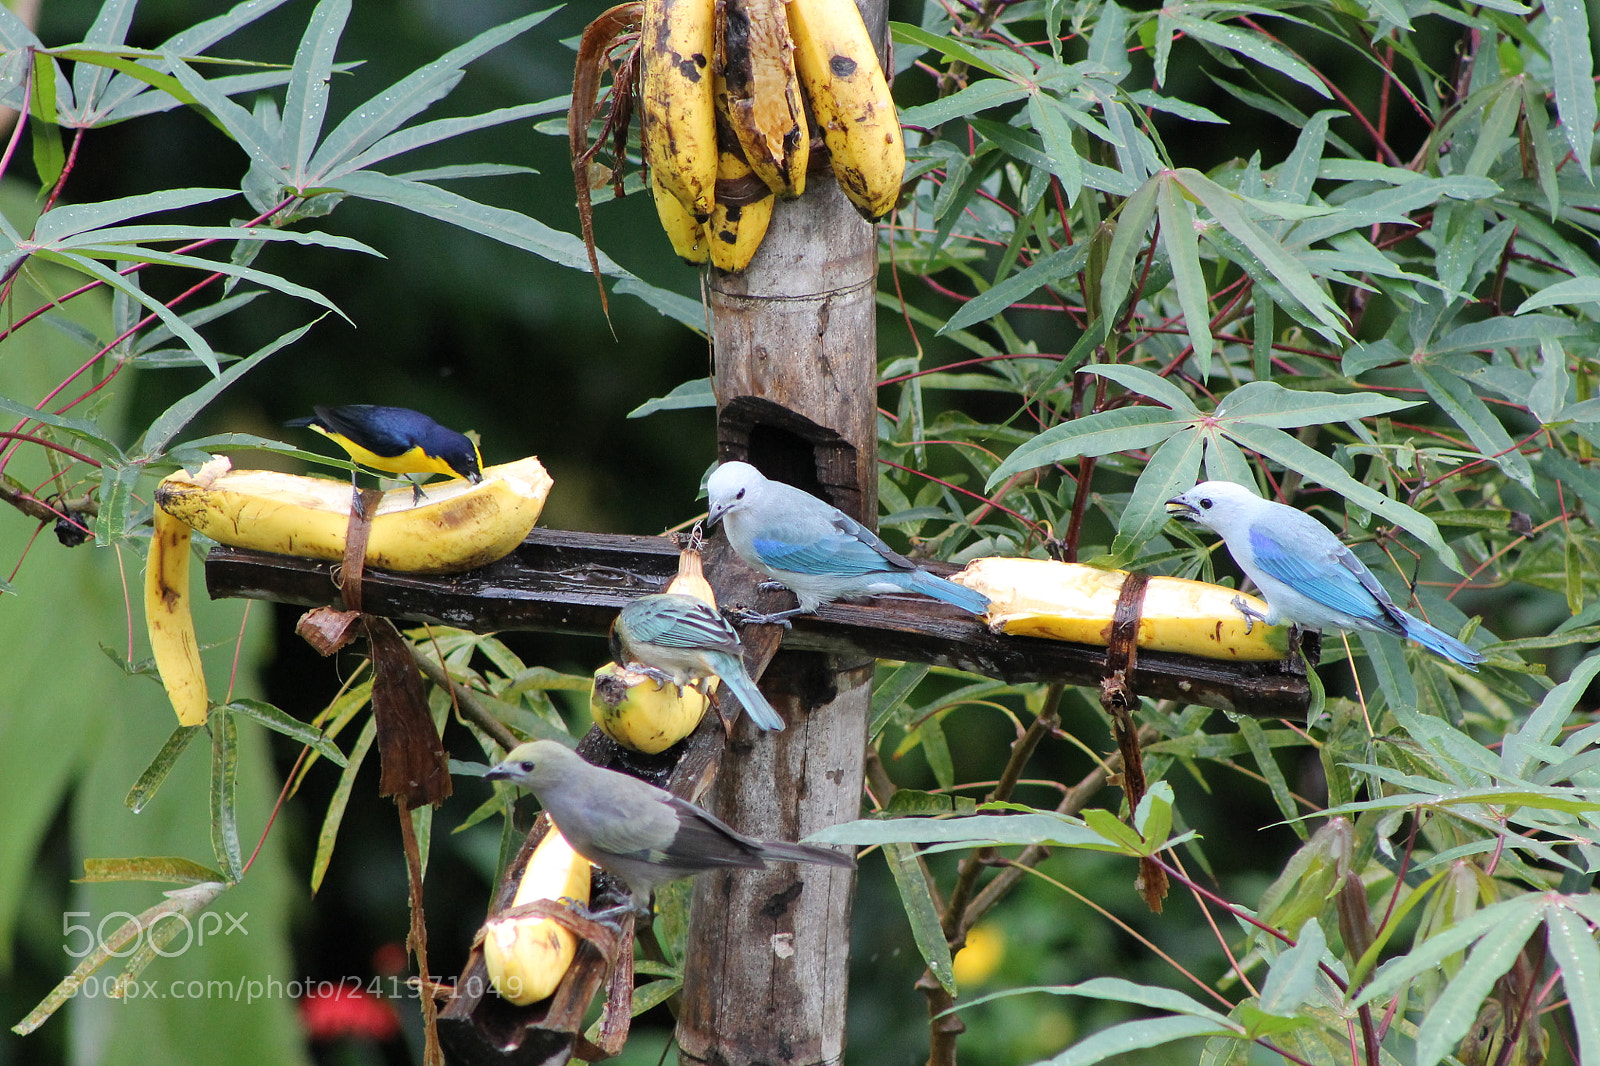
{"x":1059,"y":264}
{"x":290,"y":726}
{"x":949,"y":47}
{"x":1131,"y":1036}
{"x":174,"y":418}
{"x":890,"y":695}
{"x":1566,"y":39}
{"x":423,"y":134}
{"x":979,"y":96}
{"x":978,"y":830}
{"x":691,"y":394}
{"x":1275,"y":444}
{"x":1252,"y":46}
{"x":1256,"y":738}
{"x":246,"y":130}
{"x":1456,"y":398}
{"x":1572,"y":944}
{"x":329,"y":832}
{"x":1293,"y":975}
{"x":1519,"y":911}
{"x":71,"y":219}
{"x":1046,"y":113}
{"x":1183,"y":252}
{"x":1579,"y":290}
{"x":1122,"y":429}
{"x":158,"y":868}
{"x":145,"y":788}
{"x":1450,"y":1015}
{"x":1133,"y":219}
{"x":305,"y":102}
{"x":917,"y":898}
{"x":101,"y":272}
{"x":1171,"y":470}
{"x":1266,"y":403}
{"x":224,"y":783}
{"x":1146,"y":383}
{"x":347,"y":146}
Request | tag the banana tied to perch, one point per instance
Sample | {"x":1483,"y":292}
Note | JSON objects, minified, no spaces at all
{"x":636,"y":710}
{"x":1070,"y":601}
{"x":459,"y":527}
{"x":731,"y":89}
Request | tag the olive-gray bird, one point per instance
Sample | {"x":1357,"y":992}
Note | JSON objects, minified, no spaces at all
{"x":628,"y":827}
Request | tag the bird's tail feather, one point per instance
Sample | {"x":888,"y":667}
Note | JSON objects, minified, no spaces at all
{"x":775,"y":850}
{"x":941,"y":589}
{"x":1439,"y":642}
{"x":755,"y":704}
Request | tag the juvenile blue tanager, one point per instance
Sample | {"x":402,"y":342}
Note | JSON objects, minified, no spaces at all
{"x":682,"y":639}
{"x":814,"y":549}
{"x":1306,"y":575}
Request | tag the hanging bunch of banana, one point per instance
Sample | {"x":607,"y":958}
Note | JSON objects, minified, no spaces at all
{"x":730,"y":94}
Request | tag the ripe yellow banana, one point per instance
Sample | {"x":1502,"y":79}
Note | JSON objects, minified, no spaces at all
{"x":527,"y":957}
{"x":679,"y":116}
{"x":688,"y":237}
{"x":850,"y":98}
{"x":458,"y":526}
{"x":171,"y":626}
{"x":738,"y":223}
{"x":1069,"y":601}
{"x":636,"y":710}
{"x":755,"y":62}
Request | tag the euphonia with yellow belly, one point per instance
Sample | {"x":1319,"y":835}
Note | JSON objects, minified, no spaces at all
{"x":396,"y":440}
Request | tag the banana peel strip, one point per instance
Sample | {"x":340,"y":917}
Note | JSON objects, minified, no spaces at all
{"x":1071,"y":601}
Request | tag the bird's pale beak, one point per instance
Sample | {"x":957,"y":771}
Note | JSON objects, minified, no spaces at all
{"x":715,"y":516}
{"x":498,"y":773}
{"x":1178,"y":507}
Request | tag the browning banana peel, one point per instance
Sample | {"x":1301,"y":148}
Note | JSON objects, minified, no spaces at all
{"x":678,"y":114}
{"x":457,"y":527}
{"x":527,"y":957}
{"x":849,"y":96}
{"x":1070,"y":601}
{"x":688,"y":237}
{"x":761,"y":92}
{"x":735,"y":230}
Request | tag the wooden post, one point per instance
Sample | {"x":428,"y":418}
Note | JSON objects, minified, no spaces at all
{"x":765,"y":977}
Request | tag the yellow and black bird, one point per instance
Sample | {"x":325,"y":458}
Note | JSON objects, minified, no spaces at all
{"x":396,"y":440}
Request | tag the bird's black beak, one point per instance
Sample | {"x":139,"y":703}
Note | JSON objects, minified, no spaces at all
{"x":1178,"y":507}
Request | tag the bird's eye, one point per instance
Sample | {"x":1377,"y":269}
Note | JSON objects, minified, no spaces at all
{"x":1206,"y":504}
{"x":527,"y":766}
{"x":739,"y":495}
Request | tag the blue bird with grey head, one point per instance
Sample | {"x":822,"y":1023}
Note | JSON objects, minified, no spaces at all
{"x":682,"y":639}
{"x":814,"y":549}
{"x":1305,"y":573}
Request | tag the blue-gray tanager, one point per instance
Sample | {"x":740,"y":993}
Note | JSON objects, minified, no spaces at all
{"x":640,"y":833}
{"x":814,"y":549}
{"x":1306,"y":575}
{"x":682,"y":639}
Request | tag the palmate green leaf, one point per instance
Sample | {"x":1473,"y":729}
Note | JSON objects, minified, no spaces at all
{"x":1566,"y":39}
{"x":948,"y":46}
{"x":1389,"y":205}
{"x":1450,"y":1016}
{"x":1266,"y":403}
{"x":246,"y":130}
{"x":1146,"y":383}
{"x":689,"y":395}
{"x":1132,"y":1036}
{"x":1395,"y":973}
{"x":305,"y":102}
{"x":1171,"y":470}
{"x":347,"y":146}
{"x":426,"y":133}
{"x":1544,"y":724}
{"x":1292,"y":976}
{"x":1133,"y":219}
{"x":1046,"y":113}
{"x":110,"y":27}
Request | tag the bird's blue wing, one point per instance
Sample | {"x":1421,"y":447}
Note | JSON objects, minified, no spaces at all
{"x":1336,"y":579}
{"x":670,"y":626}
{"x":849,"y":549}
